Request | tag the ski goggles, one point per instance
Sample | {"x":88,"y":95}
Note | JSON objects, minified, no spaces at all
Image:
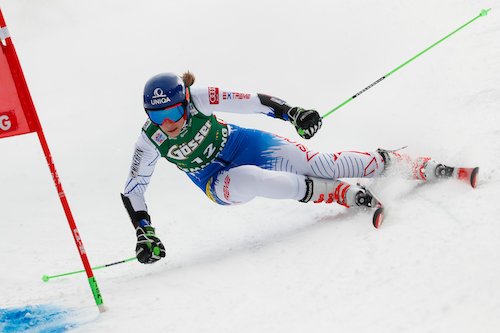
{"x":172,"y":114}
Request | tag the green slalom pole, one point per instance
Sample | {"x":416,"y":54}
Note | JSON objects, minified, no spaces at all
{"x":483,"y":13}
{"x":47,"y":278}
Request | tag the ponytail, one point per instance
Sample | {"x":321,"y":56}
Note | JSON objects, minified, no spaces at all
{"x":188,"y":78}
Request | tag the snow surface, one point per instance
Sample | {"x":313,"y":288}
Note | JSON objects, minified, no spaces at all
{"x":267,"y":266}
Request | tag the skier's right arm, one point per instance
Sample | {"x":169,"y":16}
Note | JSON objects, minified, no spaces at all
{"x":149,"y":248}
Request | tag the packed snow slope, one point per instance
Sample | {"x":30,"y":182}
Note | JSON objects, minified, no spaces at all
{"x":267,"y":266}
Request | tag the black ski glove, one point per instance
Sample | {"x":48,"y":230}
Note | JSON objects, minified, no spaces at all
{"x":306,"y":122}
{"x":149,"y":248}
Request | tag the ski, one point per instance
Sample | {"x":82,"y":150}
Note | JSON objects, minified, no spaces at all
{"x":468,"y":175}
{"x":375,"y":203}
{"x":370,"y":200}
{"x":378,"y":217}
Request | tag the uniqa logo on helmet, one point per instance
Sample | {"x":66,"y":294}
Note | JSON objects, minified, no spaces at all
{"x":159,"y":97}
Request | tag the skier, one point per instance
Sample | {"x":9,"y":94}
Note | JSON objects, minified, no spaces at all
{"x":233,"y":165}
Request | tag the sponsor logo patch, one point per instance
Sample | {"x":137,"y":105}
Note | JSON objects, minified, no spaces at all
{"x":159,"y":137}
{"x":213,"y":95}
{"x":234,"y":95}
{"x":146,"y":124}
{"x":136,"y":162}
{"x":227,"y":195}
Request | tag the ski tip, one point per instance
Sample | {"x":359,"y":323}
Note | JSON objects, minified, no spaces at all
{"x":473,"y":177}
{"x":378,"y":217}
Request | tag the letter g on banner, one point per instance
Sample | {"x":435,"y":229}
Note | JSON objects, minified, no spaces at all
{"x":8,"y":122}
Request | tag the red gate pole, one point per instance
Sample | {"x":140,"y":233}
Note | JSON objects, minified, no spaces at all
{"x":34,"y":125}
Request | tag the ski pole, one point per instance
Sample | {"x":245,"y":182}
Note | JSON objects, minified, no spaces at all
{"x":46,"y":277}
{"x":483,"y":13}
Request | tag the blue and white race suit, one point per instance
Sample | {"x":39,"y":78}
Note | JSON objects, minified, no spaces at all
{"x":252,"y":163}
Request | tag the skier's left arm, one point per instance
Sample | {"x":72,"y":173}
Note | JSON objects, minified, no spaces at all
{"x":211,"y":99}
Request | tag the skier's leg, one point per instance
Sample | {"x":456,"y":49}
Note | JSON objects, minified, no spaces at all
{"x":242,"y":184}
{"x":279,"y":155}
{"x":272,"y":152}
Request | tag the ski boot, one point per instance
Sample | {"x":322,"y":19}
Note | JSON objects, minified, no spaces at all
{"x":328,"y":191}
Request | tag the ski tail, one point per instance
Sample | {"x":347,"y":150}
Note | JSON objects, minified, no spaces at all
{"x":468,"y":175}
{"x":378,"y":217}
{"x":372,"y":201}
